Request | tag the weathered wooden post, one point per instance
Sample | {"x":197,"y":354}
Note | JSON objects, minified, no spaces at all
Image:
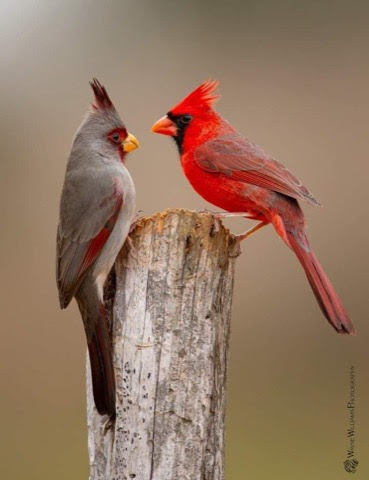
{"x":172,"y":302}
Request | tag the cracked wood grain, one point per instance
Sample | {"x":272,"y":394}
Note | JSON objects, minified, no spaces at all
{"x":170,"y":301}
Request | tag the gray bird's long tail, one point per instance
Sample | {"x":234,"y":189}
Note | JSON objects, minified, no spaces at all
{"x":99,"y":348}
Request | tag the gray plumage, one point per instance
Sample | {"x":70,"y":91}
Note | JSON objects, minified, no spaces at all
{"x":96,"y":211}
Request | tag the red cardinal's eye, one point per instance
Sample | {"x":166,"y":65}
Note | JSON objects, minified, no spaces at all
{"x":186,"y":118}
{"x":115,"y":137}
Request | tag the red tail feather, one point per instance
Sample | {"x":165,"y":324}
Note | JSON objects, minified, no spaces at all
{"x":324,"y":291}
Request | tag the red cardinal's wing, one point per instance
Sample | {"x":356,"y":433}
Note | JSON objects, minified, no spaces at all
{"x":236,"y":157}
{"x":88,"y":216}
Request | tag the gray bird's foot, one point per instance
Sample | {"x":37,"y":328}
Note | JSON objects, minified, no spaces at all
{"x":109,"y":424}
{"x":136,"y":219}
{"x":138,"y":215}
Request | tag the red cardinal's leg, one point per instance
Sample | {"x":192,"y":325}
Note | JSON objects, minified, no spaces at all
{"x":251,"y":231}
{"x":225,"y":214}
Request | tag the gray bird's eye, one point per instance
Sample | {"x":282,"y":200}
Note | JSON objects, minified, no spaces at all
{"x":115,"y":137}
{"x":186,"y":118}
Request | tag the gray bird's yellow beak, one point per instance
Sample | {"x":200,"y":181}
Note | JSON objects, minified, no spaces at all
{"x":130,"y":143}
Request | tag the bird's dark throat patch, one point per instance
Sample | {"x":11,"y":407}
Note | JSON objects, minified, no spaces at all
{"x":181,"y":129}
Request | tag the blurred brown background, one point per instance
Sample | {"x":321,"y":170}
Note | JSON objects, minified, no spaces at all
{"x":294,"y":78}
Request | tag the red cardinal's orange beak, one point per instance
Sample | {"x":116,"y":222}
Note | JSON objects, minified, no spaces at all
{"x":165,"y":126}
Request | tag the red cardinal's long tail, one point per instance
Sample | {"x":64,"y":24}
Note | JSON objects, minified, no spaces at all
{"x":324,"y":291}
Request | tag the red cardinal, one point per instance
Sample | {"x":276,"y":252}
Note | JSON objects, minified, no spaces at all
{"x":234,"y":174}
{"x":96,"y":211}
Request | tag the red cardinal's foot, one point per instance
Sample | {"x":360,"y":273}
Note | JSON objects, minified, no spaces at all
{"x":205,"y":210}
{"x":220,"y":215}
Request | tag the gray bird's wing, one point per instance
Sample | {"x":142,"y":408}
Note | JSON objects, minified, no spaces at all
{"x":90,"y":205}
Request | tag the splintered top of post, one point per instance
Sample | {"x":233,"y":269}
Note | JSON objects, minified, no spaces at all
{"x":194,"y":223}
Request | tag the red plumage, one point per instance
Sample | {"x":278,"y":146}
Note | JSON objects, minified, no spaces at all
{"x":202,"y":98}
{"x":96,"y":244}
{"x":234,"y":174}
